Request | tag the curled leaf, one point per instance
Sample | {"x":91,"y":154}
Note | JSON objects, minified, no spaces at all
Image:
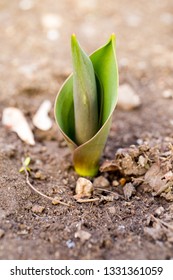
{"x":86,"y":153}
{"x":25,"y":165}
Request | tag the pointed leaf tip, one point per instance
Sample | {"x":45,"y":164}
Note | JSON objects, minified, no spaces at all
{"x":84,"y":94}
{"x":73,"y":37}
{"x":112,"y":38}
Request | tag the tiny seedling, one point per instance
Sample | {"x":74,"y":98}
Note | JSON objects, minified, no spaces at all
{"x":85,"y":104}
{"x":25,"y":165}
{"x":25,"y":168}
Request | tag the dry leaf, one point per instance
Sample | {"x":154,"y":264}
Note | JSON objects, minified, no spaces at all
{"x":129,"y":190}
{"x":154,"y":177}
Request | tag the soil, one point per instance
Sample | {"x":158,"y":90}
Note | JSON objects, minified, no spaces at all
{"x":132,"y":217}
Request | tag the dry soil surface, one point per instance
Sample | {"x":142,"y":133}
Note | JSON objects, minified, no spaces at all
{"x":132,"y":216}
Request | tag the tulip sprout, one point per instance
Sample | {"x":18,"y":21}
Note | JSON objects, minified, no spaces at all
{"x":85,"y":104}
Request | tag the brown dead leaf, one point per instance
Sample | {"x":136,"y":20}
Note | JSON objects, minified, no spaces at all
{"x":127,"y":162}
{"x":129,"y":190}
{"x":154,"y":177}
{"x":159,"y":182}
{"x":109,"y":165}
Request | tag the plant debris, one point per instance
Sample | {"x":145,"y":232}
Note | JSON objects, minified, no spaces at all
{"x":53,"y":200}
{"x":144,"y":164}
{"x":129,"y":190}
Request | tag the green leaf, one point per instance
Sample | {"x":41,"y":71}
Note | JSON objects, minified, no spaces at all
{"x":25,"y":165}
{"x":87,"y":155}
{"x":84,"y":94}
{"x":27,"y":161}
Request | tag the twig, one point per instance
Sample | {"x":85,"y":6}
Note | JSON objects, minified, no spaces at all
{"x":104,"y":190}
{"x":162,"y":222}
{"x":53,"y":200}
{"x":88,"y":199}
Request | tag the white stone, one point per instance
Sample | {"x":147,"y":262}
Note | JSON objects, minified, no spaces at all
{"x":14,"y":119}
{"x":167,"y":94}
{"x":82,"y":235}
{"x":51,"y":21}
{"x":26,"y":5}
{"x":84,"y":188}
{"x":127,"y":98}
{"x":41,"y":119}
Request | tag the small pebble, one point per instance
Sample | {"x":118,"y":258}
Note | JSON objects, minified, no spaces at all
{"x":38,"y":209}
{"x":101,"y":182}
{"x":84,"y":188}
{"x":159,"y":211}
{"x":51,"y":21}
{"x":41,"y":119}
{"x":115,"y":183}
{"x":14,"y":119}
{"x":70,"y":244}
{"x":82,"y":235}
{"x":139,"y":141}
{"x":127,"y":98}
{"x":40,"y":175}
{"x":167,"y":94}
{"x":121,"y":228}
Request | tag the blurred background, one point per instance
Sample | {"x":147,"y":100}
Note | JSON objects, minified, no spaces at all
{"x":35,"y":39}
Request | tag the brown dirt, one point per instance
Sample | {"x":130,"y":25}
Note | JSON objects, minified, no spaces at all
{"x":124,"y":223}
